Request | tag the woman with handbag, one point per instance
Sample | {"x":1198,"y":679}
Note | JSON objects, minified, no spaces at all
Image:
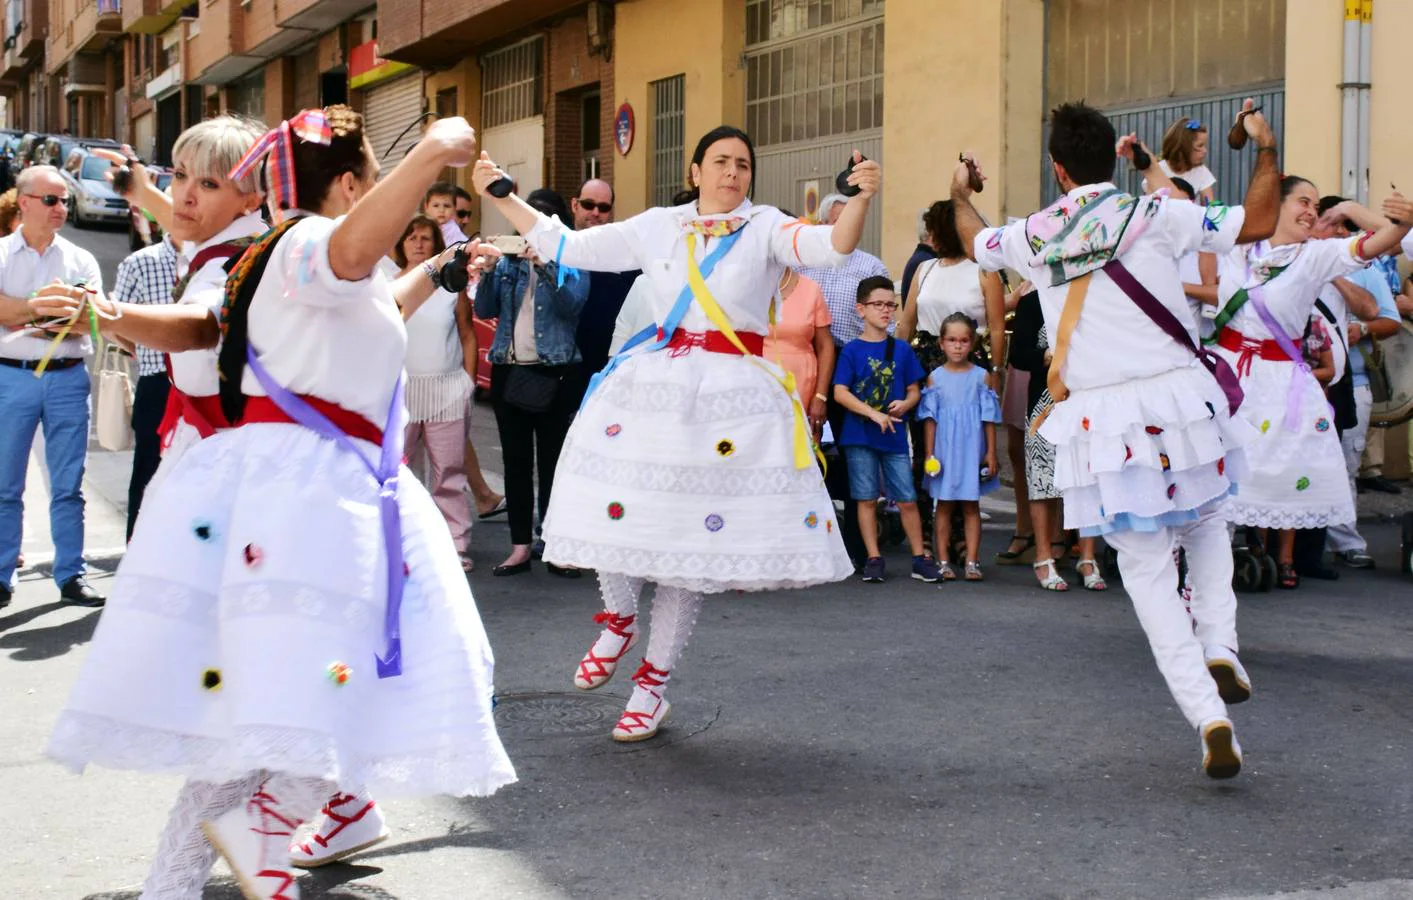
{"x":690,"y":464}
{"x":534,"y":376}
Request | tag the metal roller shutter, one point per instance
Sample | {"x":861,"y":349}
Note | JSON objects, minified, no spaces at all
{"x":387,"y":110}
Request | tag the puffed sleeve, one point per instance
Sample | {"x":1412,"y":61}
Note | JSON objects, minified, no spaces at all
{"x":1334,"y":257}
{"x":795,"y":243}
{"x":930,"y":406}
{"x":615,"y":247}
{"x":301,"y":258}
{"x":1205,"y":229}
{"x":990,"y":406}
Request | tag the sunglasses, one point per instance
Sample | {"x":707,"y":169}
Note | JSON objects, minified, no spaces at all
{"x":595,"y":206}
{"x":1193,"y":125}
{"x":463,"y":213}
{"x":50,"y":199}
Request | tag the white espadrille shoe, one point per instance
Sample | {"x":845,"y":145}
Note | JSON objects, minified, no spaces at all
{"x":646,"y":708}
{"x":348,"y":824}
{"x":619,"y":635}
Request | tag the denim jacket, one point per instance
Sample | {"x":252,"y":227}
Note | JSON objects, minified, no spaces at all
{"x":499,"y":295}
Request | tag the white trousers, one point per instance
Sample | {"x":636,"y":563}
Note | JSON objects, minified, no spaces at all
{"x":1342,"y":538}
{"x":1151,"y":579}
{"x":1209,"y":575}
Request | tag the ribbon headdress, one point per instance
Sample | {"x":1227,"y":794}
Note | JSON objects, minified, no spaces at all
{"x":310,"y":125}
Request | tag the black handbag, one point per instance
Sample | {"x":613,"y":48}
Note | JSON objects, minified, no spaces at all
{"x":531,"y":388}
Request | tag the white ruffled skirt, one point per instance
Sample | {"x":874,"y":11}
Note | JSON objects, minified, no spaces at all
{"x":256,"y":574}
{"x":1298,"y":478}
{"x":1145,"y":453}
{"x":681,"y":470}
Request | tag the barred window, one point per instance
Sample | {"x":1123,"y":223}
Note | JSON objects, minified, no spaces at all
{"x":669,"y":122}
{"x":513,"y":83}
{"x":813,"y":86}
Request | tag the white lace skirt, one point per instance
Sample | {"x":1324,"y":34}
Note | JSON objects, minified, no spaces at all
{"x":1298,"y":478}
{"x":256,"y":574}
{"x":680,"y":470}
{"x":1145,"y":453}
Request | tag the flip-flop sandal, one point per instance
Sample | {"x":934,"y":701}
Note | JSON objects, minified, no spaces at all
{"x":494,"y":511}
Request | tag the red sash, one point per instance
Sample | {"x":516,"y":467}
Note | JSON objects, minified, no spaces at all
{"x":714,"y":342}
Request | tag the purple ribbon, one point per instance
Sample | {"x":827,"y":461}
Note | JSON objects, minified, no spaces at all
{"x":1163,"y":317}
{"x":384,"y":473}
{"x":1292,"y":397}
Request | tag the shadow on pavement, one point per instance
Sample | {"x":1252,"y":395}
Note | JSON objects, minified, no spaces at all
{"x":36,"y":644}
{"x":331,"y":883}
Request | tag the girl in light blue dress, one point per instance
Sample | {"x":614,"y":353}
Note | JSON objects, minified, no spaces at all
{"x":959,"y":414}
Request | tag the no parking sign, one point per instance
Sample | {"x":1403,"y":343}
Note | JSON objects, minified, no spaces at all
{"x":624,"y":128}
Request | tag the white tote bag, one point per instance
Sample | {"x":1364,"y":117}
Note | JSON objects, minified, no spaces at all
{"x":115,"y":397}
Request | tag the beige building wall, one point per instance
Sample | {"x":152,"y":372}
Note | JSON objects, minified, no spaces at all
{"x":465,"y":76}
{"x":655,"y":39}
{"x":1313,"y":63}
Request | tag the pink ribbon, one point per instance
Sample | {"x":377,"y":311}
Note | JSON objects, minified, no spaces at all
{"x":310,"y":125}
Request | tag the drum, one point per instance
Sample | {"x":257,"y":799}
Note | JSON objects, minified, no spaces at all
{"x":1398,"y":367}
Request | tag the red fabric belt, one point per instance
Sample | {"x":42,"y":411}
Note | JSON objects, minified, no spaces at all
{"x":715,"y":342}
{"x":205,"y":415}
{"x":1249,"y":349}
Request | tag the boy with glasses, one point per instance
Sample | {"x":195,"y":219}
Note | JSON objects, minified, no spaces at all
{"x":878,"y":382}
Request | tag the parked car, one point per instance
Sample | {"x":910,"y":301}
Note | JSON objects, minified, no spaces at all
{"x":142,"y":228}
{"x":485,"y":336}
{"x":56,"y":149}
{"x":24,"y":152}
{"x":93,"y":198}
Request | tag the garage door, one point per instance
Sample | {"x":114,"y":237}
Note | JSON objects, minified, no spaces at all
{"x":387,"y":110}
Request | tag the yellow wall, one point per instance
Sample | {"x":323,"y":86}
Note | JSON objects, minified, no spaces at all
{"x":655,"y":39}
{"x":465,"y":76}
{"x":1390,"y":159}
{"x":1313,"y":59}
{"x":992,"y":70}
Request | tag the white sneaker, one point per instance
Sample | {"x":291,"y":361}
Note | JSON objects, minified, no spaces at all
{"x":349,"y":824}
{"x":254,"y":840}
{"x":1221,"y":753}
{"x":1233,"y":684}
{"x":646,"y":708}
{"x":619,"y":635}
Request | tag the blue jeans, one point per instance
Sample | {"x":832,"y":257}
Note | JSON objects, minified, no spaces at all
{"x":864,"y":464}
{"x":57,"y":400}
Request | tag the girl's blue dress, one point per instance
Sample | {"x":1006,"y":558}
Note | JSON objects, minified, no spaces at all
{"x":959,"y":402}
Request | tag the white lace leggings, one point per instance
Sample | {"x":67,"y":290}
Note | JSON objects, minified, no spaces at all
{"x":674,"y":615}
{"x":184,"y":856}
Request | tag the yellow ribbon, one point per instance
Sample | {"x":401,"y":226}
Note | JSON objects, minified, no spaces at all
{"x":59,"y":339}
{"x":702,"y":294}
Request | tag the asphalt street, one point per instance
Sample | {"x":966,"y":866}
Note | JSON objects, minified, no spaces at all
{"x":847,"y":741}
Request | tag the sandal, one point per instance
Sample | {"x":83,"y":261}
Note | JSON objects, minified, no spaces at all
{"x":1009,"y":557}
{"x":1093,"y":581}
{"x":499,"y":508}
{"x":973,"y":571}
{"x":1053,"y":581}
{"x":945,"y":570}
{"x":1286,"y":577}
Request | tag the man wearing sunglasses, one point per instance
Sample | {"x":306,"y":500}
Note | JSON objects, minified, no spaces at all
{"x":33,"y":259}
{"x":593,"y":206}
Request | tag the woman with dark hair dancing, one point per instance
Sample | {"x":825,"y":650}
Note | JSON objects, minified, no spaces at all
{"x":690,"y":463}
{"x":313,"y":628}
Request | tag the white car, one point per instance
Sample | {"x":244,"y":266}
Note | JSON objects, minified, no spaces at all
{"x":92,"y":196}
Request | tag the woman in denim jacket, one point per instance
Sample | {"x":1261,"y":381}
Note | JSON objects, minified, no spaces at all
{"x":534,"y":375}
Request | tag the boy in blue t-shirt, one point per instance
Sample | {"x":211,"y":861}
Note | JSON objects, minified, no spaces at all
{"x":878,"y":380}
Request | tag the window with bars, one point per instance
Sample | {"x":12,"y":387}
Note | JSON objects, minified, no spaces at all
{"x":669,"y":121}
{"x":513,"y":83}
{"x":802,"y":87}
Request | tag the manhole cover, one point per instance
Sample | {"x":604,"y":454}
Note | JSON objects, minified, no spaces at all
{"x":538,"y":716}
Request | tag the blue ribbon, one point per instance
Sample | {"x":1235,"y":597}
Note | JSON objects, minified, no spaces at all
{"x":669,"y":325}
{"x":384,"y":473}
{"x":562,"y":269}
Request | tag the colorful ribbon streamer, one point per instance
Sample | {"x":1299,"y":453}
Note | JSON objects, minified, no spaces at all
{"x":310,"y":125}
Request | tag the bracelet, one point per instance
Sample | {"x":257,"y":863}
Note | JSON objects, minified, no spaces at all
{"x":1271,"y":149}
{"x":433,"y":274}
{"x":821,"y":398}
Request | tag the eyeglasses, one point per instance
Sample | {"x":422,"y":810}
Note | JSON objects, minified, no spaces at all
{"x":595,"y":206}
{"x":882,"y":304}
{"x":1193,"y":125}
{"x":50,"y":199}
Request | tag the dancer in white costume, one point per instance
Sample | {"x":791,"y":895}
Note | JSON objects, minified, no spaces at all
{"x":271,"y":659}
{"x":1267,"y":292}
{"x":1146,"y":442}
{"x":690,"y":464}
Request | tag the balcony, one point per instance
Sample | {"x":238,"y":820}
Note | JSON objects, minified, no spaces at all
{"x":25,"y":43}
{"x":437,"y":33}
{"x":150,"y":16}
{"x":87,"y":29}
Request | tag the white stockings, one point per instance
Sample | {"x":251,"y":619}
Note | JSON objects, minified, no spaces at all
{"x":674,"y":615}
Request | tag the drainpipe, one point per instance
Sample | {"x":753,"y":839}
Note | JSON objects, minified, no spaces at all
{"x":1366,"y":79}
{"x":1349,"y":102}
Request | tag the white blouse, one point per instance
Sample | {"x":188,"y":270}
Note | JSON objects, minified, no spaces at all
{"x":194,"y":371}
{"x":743,"y":283}
{"x":1291,"y":295}
{"x":340,"y":341}
{"x":1115,"y":341}
{"x":433,"y":341}
{"x":946,"y":289}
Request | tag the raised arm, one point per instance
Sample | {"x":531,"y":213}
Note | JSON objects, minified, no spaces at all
{"x":1385,"y":232}
{"x":375,"y":223}
{"x":1263,"y":194}
{"x":143,"y":192}
{"x":867,"y":177}
{"x":1154,"y":175}
{"x":969,"y":221}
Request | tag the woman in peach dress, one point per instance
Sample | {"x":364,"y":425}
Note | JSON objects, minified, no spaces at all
{"x":799,"y":342}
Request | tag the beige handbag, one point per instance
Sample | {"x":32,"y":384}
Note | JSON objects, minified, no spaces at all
{"x":115,"y":397}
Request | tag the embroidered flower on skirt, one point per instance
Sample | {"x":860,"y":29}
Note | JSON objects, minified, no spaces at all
{"x":1322,"y":425}
{"x":725,"y":448}
{"x":812,"y":520}
{"x":339,"y":673}
{"x":253,"y":555}
{"x":1302,"y":483}
{"x":613,"y":430}
{"x":714,"y":522}
{"x":211,"y":679}
{"x":203,"y":530}
{"x":615,"y":511}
